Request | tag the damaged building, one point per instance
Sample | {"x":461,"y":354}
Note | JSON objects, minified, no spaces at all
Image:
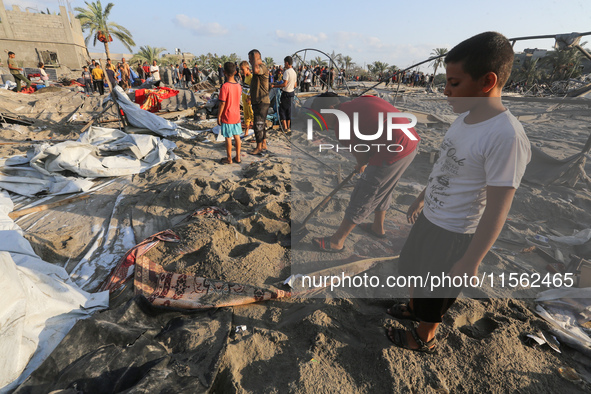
{"x":56,"y":40}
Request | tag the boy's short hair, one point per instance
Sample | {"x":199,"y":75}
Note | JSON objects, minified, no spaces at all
{"x":10,"y":53}
{"x":83,"y":67}
{"x":229,"y":68}
{"x":252,"y":52}
{"x":288,"y":60}
{"x":483,"y":53}
{"x":108,"y":59}
{"x":244,"y":63}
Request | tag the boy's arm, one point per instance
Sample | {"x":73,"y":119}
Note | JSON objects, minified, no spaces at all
{"x":498,"y":204}
{"x":220,"y":111}
{"x":416,"y":207}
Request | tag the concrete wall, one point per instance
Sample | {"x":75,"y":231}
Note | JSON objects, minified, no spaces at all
{"x":28,"y":34}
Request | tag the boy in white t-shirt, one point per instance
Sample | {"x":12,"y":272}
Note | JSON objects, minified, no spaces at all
{"x":461,"y":212}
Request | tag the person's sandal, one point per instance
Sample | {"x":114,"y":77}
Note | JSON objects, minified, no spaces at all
{"x":398,"y":337}
{"x":324,"y":245}
{"x":402,"y":311}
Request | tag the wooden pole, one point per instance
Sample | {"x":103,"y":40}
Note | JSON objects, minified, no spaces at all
{"x":23,"y":212}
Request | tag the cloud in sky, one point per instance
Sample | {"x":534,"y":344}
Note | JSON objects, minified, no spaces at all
{"x":299,"y":38}
{"x":199,"y":28}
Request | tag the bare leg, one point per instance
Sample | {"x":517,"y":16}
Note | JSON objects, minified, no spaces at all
{"x":238,"y":143}
{"x":378,"y":222}
{"x":337,"y":240}
{"x":229,"y":149}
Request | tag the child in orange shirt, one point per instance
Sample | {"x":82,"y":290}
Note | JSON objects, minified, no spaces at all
{"x":229,"y":113}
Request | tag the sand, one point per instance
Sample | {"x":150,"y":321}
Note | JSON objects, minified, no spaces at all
{"x":306,"y":345}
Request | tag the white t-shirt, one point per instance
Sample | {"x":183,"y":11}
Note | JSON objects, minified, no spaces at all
{"x":155,"y":75}
{"x":472,"y":156}
{"x":308,"y":76}
{"x":290,"y":77}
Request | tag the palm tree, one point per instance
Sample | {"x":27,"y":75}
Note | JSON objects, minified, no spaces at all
{"x":338,"y":59}
{"x":319,"y":61}
{"x":348,"y":62}
{"x":378,"y":67}
{"x":440,"y":52}
{"x":95,"y":19}
{"x":530,"y":71}
{"x":564,"y":63}
{"x":148,"y":54}
{"x":269,"y":62}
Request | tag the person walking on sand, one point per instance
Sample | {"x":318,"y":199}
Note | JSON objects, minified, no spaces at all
{"x":229,"y":113}
{"x":16,"y":72}
{"x":125,"y":74}
{"x":287,"y":85}
{"x":98,"y":77}
{"x":246,"y":106}
{"x":459,"y":215}
{"x":380,"y":169}
{"x":155,"y":72}
{"x":259,"y":98}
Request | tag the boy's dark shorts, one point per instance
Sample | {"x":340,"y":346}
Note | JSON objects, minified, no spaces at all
{"x":431,"y":250}
{"x":285,"y":105}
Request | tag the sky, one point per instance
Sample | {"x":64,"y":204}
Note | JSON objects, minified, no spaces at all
{"x":397,"y":33}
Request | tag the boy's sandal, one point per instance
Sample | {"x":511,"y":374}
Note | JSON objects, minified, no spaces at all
{"x":225,"y":161}
{"x":323,"y":244}
{"x":367,"y":228}
{"x":402,"y":311}
{"x":398,"y":337}
{"x":237,"y":160}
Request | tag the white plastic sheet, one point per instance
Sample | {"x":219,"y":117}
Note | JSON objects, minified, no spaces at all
{"x":40,"y":304}
{"x":100,"y":152}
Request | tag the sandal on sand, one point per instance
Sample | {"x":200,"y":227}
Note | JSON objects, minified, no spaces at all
{"x":398,"y":337}
{"x":324,"y":245}
{"x":225,"y":161}
{"x":367,"y":228}
{"x":402,"y":311}
{"x":237,"y":160}
{"x":255,"y":154}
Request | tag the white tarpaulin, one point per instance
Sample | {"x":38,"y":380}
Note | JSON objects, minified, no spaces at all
{"x":103,"y":152}
{"x":100,"y":152}
{"x":141,"y":118}
{"x":40,"y":304}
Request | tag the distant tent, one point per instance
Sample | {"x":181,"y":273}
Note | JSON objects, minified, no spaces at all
{"x":544,"y":169}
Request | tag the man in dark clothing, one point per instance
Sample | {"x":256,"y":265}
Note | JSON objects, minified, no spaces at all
{"x":187,"y":75}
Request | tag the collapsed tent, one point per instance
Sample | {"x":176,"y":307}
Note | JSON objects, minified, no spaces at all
{"x":40,"y":303}
{"x":139,"y":118}
{"x":565,"y":310}
{"x":99,"y":152}
{"x":137,"y":347}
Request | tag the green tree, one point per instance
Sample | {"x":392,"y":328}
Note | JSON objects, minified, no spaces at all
{"x":439,"y":61}
{"x":269,"y":62}
{"x":348,"y":62}
{"x":378,"y":67}
{"x":320,"y":62}
{"x":564,"y":63}
{"x":148,"y":54}
{"x":95,"y":20}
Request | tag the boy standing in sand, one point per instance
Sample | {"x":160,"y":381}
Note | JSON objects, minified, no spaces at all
{"x":259,"y":98}
{"x":229,"y":112}
{"x":461,"y":212}
{"x":246,"y":107}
